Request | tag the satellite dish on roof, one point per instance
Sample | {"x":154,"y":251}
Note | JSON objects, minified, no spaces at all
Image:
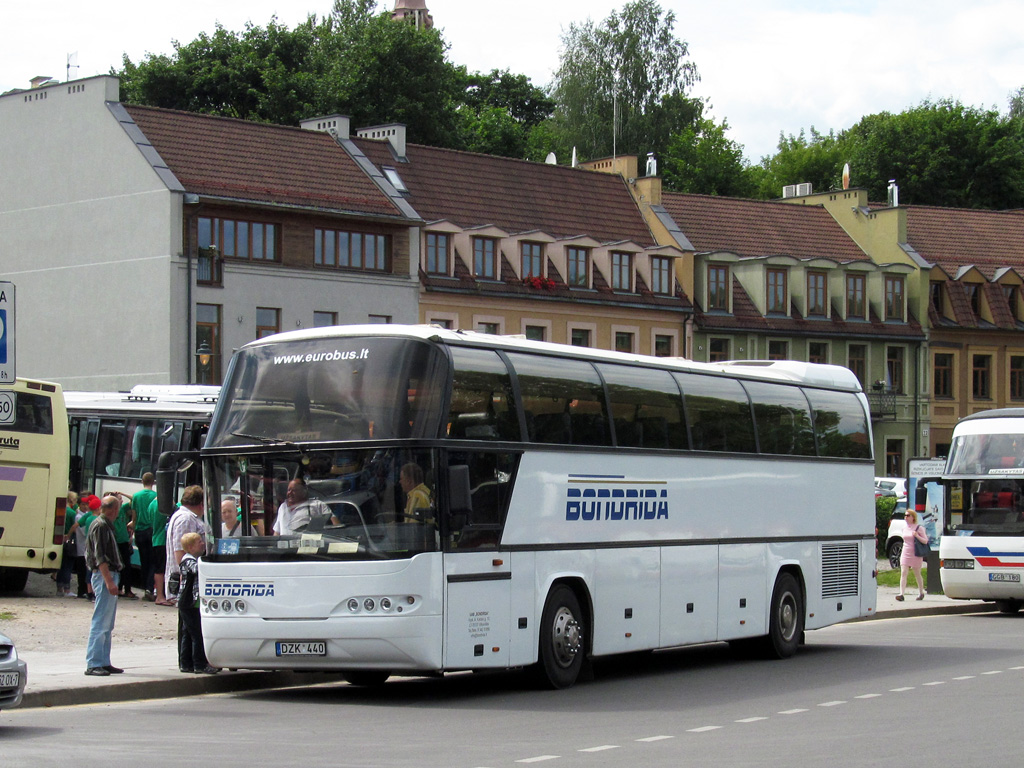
{"x":846,"y":176}
{"x":550,"y":159}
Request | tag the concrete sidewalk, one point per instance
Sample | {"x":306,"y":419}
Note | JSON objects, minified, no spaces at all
{"x":55,"y":678}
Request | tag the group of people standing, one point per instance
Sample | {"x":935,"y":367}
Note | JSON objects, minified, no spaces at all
{"x":165,"y":546}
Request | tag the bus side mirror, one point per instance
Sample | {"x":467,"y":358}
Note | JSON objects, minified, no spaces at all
{"x":460,"y":501}
{"x":167,"y":469}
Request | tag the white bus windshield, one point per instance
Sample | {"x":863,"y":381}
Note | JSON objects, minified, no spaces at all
{"x":331,"y":389}
{"x":986,"y":454}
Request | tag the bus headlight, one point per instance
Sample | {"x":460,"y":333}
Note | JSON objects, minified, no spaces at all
{"x":240,"y":606}
{"x":226,"y":606}
{"x":385,"y":604}
{"x":213,"y":606}
{"x":368,"y":604}
{"x":353,"y":604}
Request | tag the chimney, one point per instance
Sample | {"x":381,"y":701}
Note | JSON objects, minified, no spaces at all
{"x":894,"y":194}
{"x":40,"y":80}
{"x":336,"y":125}
{"x":393,"y":132}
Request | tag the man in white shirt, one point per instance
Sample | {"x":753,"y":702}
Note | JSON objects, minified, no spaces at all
{"x":188,"y":517}
{"x":298,"y":509}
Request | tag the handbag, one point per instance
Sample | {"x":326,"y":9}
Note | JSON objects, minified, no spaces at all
{"x":921,"y":548}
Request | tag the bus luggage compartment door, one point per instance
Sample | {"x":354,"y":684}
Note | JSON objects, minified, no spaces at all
{"x":478,"y":596}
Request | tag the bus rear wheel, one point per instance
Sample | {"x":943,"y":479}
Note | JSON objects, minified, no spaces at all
{"x":786,"y":620}
{"x":13,"y":579}
{"x":367,"y":678}
{"x":1008,"y":606}
{"x":562,"y":638}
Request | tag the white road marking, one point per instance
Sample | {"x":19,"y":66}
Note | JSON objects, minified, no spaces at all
{"x":901,"y":690}
{"x":965,"y":677}
{"x":751,"y":719}
{"x":868,"y":696}
{"x":831,"y":703}
{"x":656,"y":738}
{"x":792,"y":711}
{"x":993,"y":672}
{"x":936,"y":682}
{"x":704,"y":728}
{"x":602,"y":748}
{"x":538,"y":759}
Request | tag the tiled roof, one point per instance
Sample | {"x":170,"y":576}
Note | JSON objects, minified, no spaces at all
{"x":260,"y":163}
{"x":751,"y":228}
{"x":473,"y":190}
{"x":958,"y":237}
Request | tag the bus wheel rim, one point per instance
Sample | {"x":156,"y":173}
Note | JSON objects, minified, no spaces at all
{"x":565,"y":635}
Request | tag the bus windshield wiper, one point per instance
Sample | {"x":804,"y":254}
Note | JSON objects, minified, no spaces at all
{"x":268,"y":440}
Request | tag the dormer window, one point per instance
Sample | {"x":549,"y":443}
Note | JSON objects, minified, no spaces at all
{"x":718,"y":287}
{"x":776,"y":286}
{"x":974,"y":297}
{"x":532,"y":259}
{"x":817,"y":294}
{"x":893,"y":297}
{"x":437,"y":253}
{"x":935,"y":296}
{"x":485,"y":260}
{"x":577,"y":267}
{"x":661,"y":275}
{"x":855,"y":307}
{"x":622,"y":271}
{"x":1010,"y":292}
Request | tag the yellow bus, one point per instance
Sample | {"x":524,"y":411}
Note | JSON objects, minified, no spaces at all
{"x":33,"y":479}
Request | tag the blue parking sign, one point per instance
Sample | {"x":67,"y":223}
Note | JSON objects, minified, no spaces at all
{"x":3,"y":337}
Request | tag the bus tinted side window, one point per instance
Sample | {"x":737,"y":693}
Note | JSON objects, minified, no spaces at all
{"x":110,"y":449}
{"x":718,"y":412}
{"x":647,"y":410}
{"x":841,"y":424}
{"x":563,"y":400}
{"x":783,"y":419}
{"x":33,"y":414}
{"x":482,"y":406}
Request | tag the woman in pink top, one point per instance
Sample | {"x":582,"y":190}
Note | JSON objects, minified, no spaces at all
{"x":908,"y":560}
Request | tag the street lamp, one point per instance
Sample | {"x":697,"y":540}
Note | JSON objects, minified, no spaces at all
{"x":203,"y":356}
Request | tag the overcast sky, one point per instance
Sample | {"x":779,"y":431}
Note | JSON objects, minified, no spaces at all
{"x":767,"y":66}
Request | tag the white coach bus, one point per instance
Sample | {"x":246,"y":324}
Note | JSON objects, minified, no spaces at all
{"x":982,"y":547}
{"x":486,"y":502}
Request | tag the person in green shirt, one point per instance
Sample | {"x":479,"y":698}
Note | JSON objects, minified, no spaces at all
{"x":159,"y":551}
{"x":144,"y":532}
{"x":123,"y":526}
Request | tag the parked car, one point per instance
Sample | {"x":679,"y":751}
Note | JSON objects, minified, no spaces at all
{"x":894,"y":537}
{"x":13,"y":674}
{"x":897,"y":485}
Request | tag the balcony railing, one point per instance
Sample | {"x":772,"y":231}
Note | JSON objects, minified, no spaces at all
{"x":882,"y":401}
{"x":208,"y":267}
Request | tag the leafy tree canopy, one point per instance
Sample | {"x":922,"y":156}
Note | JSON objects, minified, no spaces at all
{"x":621,"y":84}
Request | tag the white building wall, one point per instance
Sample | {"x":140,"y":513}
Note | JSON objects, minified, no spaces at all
{"x":87,"y":233}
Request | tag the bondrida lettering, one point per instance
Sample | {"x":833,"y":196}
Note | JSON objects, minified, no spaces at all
{"x":323,"y":357}
{"x":616,"y":504}
{"x":238,"y":589}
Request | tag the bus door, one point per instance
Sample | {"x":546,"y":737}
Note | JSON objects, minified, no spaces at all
{"x":478,"y":576}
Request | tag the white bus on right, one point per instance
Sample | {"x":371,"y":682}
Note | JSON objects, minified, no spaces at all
{"x":982,"y":549}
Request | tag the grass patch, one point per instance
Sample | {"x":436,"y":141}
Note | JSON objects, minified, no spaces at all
{"x":6,"y":615}
{"x":892,"y":578}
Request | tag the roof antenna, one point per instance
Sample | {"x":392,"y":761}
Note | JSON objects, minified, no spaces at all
{"x":72,"y":62}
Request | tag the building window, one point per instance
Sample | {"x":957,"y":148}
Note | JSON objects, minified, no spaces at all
{"x":982,"y":377}
{"x":661,"y":275}
{"x":718,"y":284}
{"x":855,"y":297}
{"x":778,"y":349}
{"x":857,"y":361}
{"x":1016,"y":378}
{"x":378,"y":319}
{"x":578,"y":267}
{"x":580,"y":337}
{"x":268,"y":321}
{"x":776,"y":279}
{"x":437,"y":254}
{"x":817,"y":352}
{"x":253,"y":240}
{"x":935,"y":296}
{"x":718,"y":350}
{"x":532,"y":259}
{"x":324,"y":319}
{"x":943,"y":374}
{"x":534,"y":332}
{"x":441,"y":323}
{"x":350,"y":250}
{"x":485,"y":262}
{"x":623,"y":341}
{"x":817,"y":296}
{"x":894,"y":368}
{"x":662,"y":345}
{"x":974,"y":297}
{"x":1010,"y":292}
{"x":894,"y":458}
{"x":491,"y":328}
{"x":622,"y":271}
{"x":208,"y":332}
{"x":893,"y":297}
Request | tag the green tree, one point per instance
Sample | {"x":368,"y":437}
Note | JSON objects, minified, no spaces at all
{"x":702,"y":159}
{"x":500,"y":112}
{"x":621,"y":85}
{"x":818,"y":160}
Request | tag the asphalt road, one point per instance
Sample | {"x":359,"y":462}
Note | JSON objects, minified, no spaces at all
{"x":920,"y":691}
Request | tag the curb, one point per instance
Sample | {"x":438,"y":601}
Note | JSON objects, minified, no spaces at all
{"x":231,"y":682}
{"x":935,"y":610}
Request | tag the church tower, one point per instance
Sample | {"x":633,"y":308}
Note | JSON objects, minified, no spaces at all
{"x":414,"y":11}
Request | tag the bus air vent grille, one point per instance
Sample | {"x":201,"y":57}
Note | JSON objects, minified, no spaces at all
{"x":840,"y":569}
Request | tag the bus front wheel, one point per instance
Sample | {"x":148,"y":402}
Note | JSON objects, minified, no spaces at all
{"x":1008,"y":606}
{"x":562,"y":638}
{"x":786,"y":624}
